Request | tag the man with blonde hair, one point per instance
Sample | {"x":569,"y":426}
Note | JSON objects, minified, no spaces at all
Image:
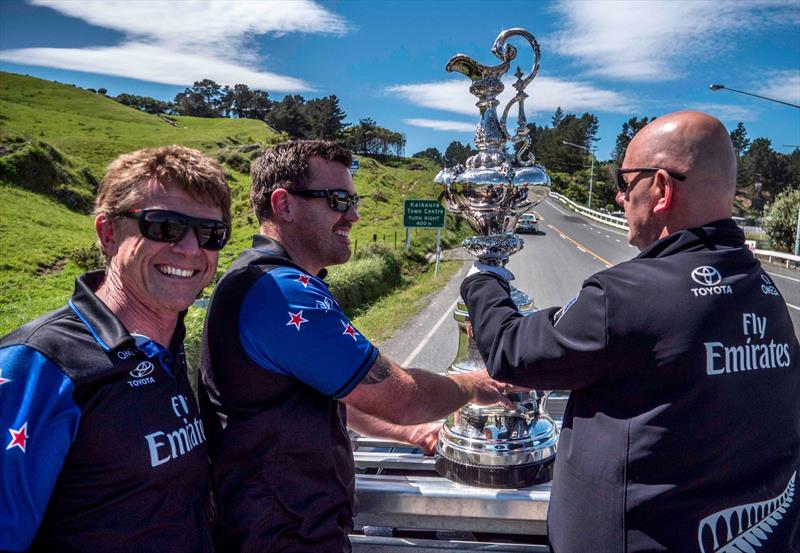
{"x":682,"y":431}
{"x":103,"y":445}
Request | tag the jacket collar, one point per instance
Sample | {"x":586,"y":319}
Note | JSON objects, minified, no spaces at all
{"x":719,"y":235}
{"x":273,"y":248}
{"x":104,"y":326}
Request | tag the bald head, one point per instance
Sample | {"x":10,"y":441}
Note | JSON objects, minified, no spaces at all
{"x":698,"y":146}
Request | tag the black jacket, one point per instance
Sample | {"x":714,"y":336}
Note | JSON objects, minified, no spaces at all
{"x":682,"y":431}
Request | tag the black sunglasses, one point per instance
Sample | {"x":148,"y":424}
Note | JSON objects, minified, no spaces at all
{"x":341,"y":200}
{"x":622,"y":184}
{"x":162,"y":225}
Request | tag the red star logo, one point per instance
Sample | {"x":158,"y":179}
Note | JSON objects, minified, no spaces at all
{"x":303,"y":279}
{"x":296,"y":319}
{"x":3,"y":380}
{"x":19,"y":437}
{"x":349,"y":330}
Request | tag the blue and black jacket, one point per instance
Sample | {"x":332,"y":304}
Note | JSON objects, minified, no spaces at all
{"x":102,"y":446}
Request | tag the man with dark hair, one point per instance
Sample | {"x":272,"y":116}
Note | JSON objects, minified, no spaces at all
{"x":281,"y":365}
{"x":104,"y":448}
{"x":682,"y":431}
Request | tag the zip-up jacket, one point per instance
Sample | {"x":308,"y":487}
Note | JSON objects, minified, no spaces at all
{"x":682,"y":431}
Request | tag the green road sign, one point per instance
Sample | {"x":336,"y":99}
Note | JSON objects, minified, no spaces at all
{"x":423,"y":213}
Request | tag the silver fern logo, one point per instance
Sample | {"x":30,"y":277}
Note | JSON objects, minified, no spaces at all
{"x":744,"y":528}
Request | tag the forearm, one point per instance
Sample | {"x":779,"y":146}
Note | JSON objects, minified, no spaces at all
{"x":368,"y":425}
{"x":549,"y":349}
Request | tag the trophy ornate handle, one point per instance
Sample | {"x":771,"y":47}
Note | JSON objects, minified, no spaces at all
{"x":507,"y":53}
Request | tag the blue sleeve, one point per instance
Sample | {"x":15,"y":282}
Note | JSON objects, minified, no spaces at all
{"x":38,"y":423}
{"x":290,"y":324}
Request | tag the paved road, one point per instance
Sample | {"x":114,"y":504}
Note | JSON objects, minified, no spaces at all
{"x":550,"y":268}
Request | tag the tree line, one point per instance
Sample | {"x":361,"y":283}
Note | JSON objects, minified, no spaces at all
{"x":298,"y":117}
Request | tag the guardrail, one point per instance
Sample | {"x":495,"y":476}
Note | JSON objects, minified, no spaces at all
{"x":790,"y":260}
{"x":605,"y":218}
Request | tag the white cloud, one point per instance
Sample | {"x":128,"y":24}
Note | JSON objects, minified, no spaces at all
{"x":546,"y":94}
{"x":782,"y":85}
{"x":656,"y":40}
{"x":726,"y":112}
{"x":181,"y":42}
{"x":441,"y":125}
{"x":152,"y":63}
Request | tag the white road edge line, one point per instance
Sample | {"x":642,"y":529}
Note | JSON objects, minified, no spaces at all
{"x":411,"y":356}
{"x":793,"y":306}
{"x":783,"y":276}
{"x":561,"y":211}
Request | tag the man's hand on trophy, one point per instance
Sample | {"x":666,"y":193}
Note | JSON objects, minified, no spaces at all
{"x":483,"y":389}
{"x":425,"y":436}
{"x":479,"y":267}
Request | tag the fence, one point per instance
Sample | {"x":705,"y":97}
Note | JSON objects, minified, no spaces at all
{"x":790,"y":260}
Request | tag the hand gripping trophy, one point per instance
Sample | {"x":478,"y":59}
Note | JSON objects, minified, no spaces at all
{"x":496,"y":446}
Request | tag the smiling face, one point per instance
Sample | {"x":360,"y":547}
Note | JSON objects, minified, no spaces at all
{"x":321,"y":236}
{"x":160,"y":277}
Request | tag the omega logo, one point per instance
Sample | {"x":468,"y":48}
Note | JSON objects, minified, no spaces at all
{"x":124,"y":354}
{"x":707,"y":276}
{"x":142,"y":369}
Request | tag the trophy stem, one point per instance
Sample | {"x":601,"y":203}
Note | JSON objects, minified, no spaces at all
{"x":492,"y":446}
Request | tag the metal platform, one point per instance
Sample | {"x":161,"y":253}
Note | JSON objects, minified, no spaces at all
{"x":404,"y":505}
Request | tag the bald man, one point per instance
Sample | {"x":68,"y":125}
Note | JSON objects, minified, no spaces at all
{"x":682,"y":431}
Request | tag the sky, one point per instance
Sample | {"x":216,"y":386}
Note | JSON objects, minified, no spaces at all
{"x":386,"y":59}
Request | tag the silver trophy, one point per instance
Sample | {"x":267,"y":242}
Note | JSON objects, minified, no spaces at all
{"x":496,"y":446}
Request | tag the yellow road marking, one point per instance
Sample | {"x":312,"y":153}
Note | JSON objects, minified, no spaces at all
{"x":581,"y":246}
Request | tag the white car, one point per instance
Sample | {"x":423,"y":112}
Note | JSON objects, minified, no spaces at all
{"x":528,"y":222}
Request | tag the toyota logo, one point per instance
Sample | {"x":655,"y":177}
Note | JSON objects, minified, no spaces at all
{"x":142,"y":369}
{"x":707,"y":276}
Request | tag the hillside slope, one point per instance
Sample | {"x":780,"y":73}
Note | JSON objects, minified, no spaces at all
{"x":53,"y":132}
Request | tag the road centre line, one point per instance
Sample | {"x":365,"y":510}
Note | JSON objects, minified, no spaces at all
{"x":581,"y":246}
{"x":447,"y":314}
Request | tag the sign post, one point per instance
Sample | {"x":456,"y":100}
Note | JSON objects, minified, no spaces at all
{"x":424,"y":214}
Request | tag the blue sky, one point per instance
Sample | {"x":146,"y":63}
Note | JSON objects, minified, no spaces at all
{"x":385,"y":59}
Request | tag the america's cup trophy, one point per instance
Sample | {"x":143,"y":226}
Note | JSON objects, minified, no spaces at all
{"x":496,"y":446}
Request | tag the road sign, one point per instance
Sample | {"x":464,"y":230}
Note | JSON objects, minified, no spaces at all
{"x":354,"y":167}
{"x":423,"y":213}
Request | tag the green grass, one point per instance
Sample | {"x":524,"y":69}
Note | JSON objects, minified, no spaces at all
{"x":48,"y":128}
{"x":393,"y":311}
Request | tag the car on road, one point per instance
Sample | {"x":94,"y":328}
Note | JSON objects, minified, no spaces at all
{"x":528,"y":222}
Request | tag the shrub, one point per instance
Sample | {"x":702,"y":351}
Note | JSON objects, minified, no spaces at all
{"x":782,"y":220}
{"x":372,"y":274}
{"x":89,"y":258}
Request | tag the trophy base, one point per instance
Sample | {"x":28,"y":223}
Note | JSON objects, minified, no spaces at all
{"x":487,"y":476}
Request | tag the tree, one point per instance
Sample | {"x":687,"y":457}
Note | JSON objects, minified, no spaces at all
{"x":761,"y":164}
{"x":457,"y":152}
{"x":325,"y":118}
{"x":739,"y":139}
{"x":782,"y":220}
{"x":368,"y":138}
{"x":204,"y":99}
{"x":144,"y":103}
{"x":249,"y":104}
{"x":430,"y":153}
{"x":102,"y":91}
{"x":629,"y":129}
{"x":289,"y":116}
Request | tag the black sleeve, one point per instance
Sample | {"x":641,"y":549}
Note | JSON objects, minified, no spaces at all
{"x":564,"y":349}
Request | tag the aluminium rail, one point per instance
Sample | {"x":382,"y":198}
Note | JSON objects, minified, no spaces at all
{"x":404,"y":505}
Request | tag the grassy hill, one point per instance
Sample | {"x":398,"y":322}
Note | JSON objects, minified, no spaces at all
{"x":55,"y":141}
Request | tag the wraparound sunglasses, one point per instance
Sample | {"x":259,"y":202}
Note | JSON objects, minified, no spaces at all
{"x":162,"y":225}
